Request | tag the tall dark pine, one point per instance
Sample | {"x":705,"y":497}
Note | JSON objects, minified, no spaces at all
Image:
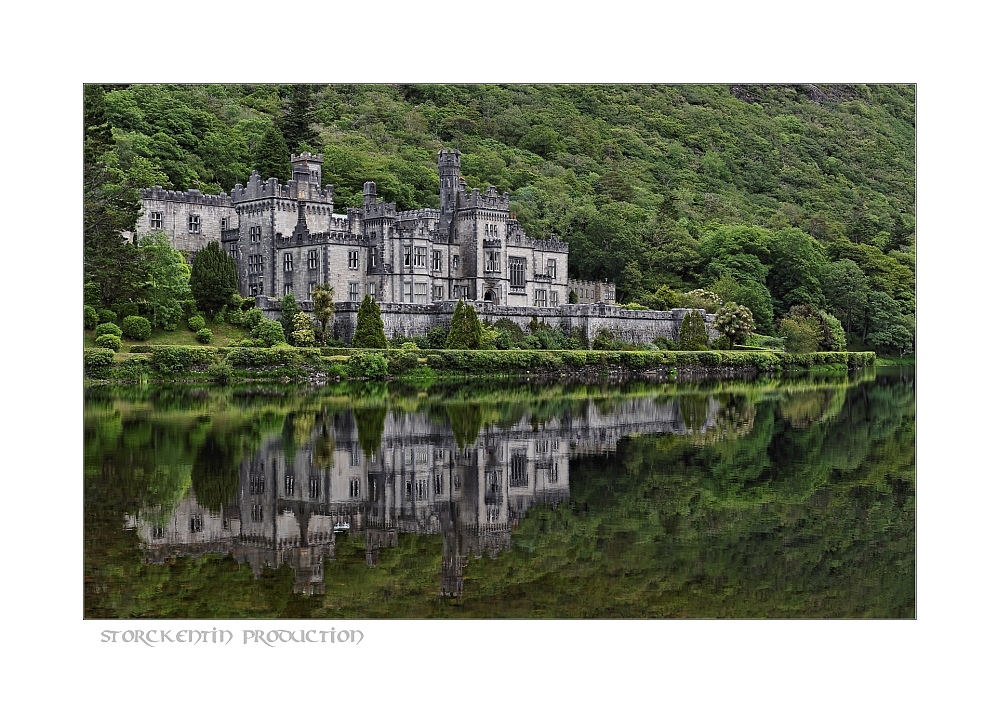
{"x":272,"y":160}
{"x":370,"y":332}
{"x":111,"y":206}
{"x":213,"y":278}
{"x":298,"y":114}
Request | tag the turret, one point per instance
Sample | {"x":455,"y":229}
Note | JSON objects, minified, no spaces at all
{"x":307,"y":167}
{"x":449,"y":166}
{"x":369,"y":193}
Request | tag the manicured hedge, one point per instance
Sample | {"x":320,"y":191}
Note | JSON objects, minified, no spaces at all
{"x":137,"y":328}
{"x":95,"y":361}
{"x":250,"y":357}
{"x":168,"y":359}
{"x":109,"y":341}
{"x":108,"y":328}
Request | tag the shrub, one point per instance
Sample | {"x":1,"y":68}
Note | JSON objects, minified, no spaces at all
{"x":220,"y":372}
{"x":219,"y":318}
{"x":97,"y":360}
{"x":91,"y":295}
{"x":604,"y":340}
{"x":573,"y":297}
{"x":130,"y":369}
{"x":90,"y":318}
{"x":665,"y":343}
{"x":196,"y":322}
{"x":802,"y":335}
{"x":109,"y":341}
{"x":367,"y":365}
{"x":189,"y":308}
{"x":204,"y":335}
{"x":303,"y":334}
{"x":108,"y":328}
{"x":409,"y":347}
{"x":401,"y":364}
{"x":174,"y":359}
{"x":107,"y":315}
{"x":722,"y":342}
{"x":437,"y":337}
{"x":634,"y":306}
{"x":693,"y":336}
{"x":137,"y":328}
{"x":735,"y":322}
{"x":267,"y":333}
{"x":235,"y":316}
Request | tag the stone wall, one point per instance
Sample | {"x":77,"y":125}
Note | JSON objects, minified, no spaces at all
{"x":411,"y":320}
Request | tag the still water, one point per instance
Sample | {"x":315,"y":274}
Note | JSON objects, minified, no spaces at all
{"x":737,"y":499}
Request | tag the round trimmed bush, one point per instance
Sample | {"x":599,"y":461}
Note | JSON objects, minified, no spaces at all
{"x":90,"y":318}
{"x":107,"y":315}
{"x":196,"y":322}
{"x":109,"y":341}
{"x":137,"y":328}
{"x":204,"y":335}
{"x":367,"y":365}
{"x":108,"y":328}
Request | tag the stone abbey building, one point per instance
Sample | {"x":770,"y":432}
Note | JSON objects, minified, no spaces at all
{"x":286,"y":238}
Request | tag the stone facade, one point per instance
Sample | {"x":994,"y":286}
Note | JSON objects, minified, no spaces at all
{"x":287,"y":238}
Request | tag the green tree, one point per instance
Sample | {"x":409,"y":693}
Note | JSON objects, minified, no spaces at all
{"x":465,"y":331}
{"x":322,"y":297}
{"x":111,"y":206}
{"x":213,"y":278}
{"x":303,"y":334}
{"x":846,"y":289}
{"x":370,"y":331}
{"x":168,"y":285}
{"x":573,"y":297}
{"x":802,"y":335}
{"x":295,"y":123}
{"x":289,"y":309}
{"x":272,"y":159}
{"x":797,"y":263}
{"x":693,"y":335}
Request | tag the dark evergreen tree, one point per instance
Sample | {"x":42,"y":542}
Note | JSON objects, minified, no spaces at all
{"x":273,"y":157}
{"x":693,"y":336}
{"x":465,"y":331}
{"x":298,"y":114}
{"x":370,"y":332}
{"x":111,"y":206}
{"x":289,"y":308}
{"x":473,"y":328}
{"x":322,"y":296}
{"x":213,"y":278}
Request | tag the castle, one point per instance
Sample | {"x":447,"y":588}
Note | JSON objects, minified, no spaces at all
{"x":287,"y":239}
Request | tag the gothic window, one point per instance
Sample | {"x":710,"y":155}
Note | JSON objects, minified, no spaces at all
{"x":540,"y":298}
{"x":438,"y":292}
{"x":256,"y":484}
{"x":409,"y":490}
{"x":609,"y":294}
{"x":407,"y":256}
{"x":355,"y":487}
{"x":493,"y":261}
{"x":197,"y":524}
{"x":371,"y":289}
{"x":194,"y":224}
{"x":255,"y":234}
{"x":289,"y":484}
{"x":257,"y":513}
{"x":454,"y":264}
{"x":438,"y":485}
{"x":372,"y":257}
{"x":312,"y":287}
{"x":353,"y":291}
{"x":288,"y":288}
{"x":314,"y":259}
{"x":420,"y":256}
{"x":435,"y":260}
{"x":156,"y":220}
{"x":157,"y":533}
{"x":352,"y":259}
{"x":313,"y":486}
{"x":553,"y":298}
{"x":420,"y":292}
{"x":550,"y":268}
{"x":421,"y":489}
{"x":288,"y":261}
{"x":232,"y":250}
{"x":517,"y":266}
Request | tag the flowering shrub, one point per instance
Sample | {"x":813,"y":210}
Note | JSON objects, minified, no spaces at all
{"x":735,"y":322}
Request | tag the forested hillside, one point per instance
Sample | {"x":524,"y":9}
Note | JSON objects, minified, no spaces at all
{"x":771,"y":196}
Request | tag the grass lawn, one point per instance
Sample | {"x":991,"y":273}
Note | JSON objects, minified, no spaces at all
{"x":223,"y":335}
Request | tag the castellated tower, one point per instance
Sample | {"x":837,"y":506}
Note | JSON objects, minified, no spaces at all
{"x":449,"y":163}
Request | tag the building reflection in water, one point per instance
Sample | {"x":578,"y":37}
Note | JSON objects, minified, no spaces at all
{"x":291,"y":508}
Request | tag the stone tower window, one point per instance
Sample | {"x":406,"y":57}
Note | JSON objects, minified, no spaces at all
{"x":288,"y":261}
{"x":435,"y":259}
{"x":255,"y":234}
{"x":194,"y":224}
{"x":517,"y":266}
{"x":314,"y":259}
{"x":353,"y":291}
{"x":352,"y":259}
{"x":407,"y":257}
{"x":420,"y":256}
{"x":550,"y":268}
{"x":156,"y":220}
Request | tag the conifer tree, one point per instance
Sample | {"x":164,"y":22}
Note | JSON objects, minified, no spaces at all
{"x":473,"y":328}
{"x":322,"y":297}
{"x":693,"y":335}
{"x":289,"y":309}
{"x":295,"y":122}
{"x":464,"y":332}
{"x":272,"y":159}
{"x":370,"y":332}
{"x":213,"y":278}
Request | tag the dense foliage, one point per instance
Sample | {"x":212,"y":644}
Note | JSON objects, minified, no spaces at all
{"x":770,"y":195}
{"x":693,"y":334}
{"x":213,"y":278}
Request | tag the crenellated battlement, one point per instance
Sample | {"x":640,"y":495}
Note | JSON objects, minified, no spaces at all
{"x":490,"y":200}
{"x":316,"y":238}
{"x":306,"y":157}
{"x":192,"y":196}
{"x":257,"y":188}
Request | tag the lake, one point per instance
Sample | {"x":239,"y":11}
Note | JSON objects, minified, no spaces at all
{"x":767,"y":498}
